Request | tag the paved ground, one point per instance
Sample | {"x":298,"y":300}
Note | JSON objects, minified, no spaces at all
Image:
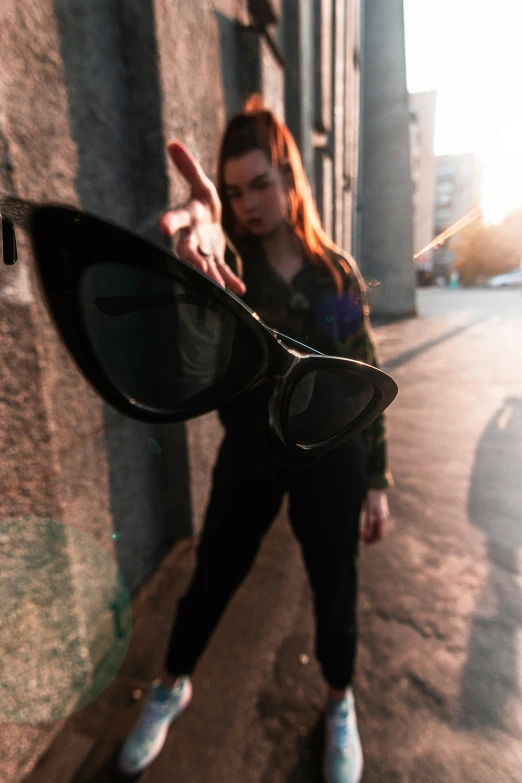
{"x":438,"y":687}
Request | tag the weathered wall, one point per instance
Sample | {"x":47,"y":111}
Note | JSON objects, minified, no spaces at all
{"x":195,"y":110}
{"x":89,"y":94}
{"x":38,"y":378}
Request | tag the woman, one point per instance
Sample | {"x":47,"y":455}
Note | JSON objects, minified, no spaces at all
{"x":259,"y":234}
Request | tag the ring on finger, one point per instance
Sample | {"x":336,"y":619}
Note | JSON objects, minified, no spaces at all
{"x":210,"y":256}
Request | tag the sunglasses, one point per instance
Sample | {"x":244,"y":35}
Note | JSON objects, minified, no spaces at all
{"x":161,"y":342}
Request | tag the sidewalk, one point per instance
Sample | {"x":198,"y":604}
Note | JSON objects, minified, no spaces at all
{"x":255,"y":703}
{"x":437,"y":688}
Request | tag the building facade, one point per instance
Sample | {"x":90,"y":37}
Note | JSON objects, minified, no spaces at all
{"x":458,"y":189}
{"x":91,"y":91}
{"x":422,"y":133}
{"x":322,"y":42}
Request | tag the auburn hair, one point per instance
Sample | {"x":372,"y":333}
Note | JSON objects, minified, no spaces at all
{"x":256,"y":127}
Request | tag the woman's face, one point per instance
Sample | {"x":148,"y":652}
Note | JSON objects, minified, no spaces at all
{"x":256,"y":191}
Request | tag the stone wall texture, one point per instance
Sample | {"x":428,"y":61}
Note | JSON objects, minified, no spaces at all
{"x":90,"y":501}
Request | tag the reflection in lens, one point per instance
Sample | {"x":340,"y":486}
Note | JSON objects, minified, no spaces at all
{"x":302,"y":395}
{"x":324,"y":403}
{"x":161,"y":343}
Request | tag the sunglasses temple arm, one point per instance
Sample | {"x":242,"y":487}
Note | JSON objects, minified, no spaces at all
{"x":295,"y":344}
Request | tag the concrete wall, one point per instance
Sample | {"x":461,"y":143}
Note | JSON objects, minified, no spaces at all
{"x":90,"y":91}
{"x":385,"y":204}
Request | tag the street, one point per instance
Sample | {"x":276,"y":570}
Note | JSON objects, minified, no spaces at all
{"x":438,"y":675}
{"x":439,"y":680}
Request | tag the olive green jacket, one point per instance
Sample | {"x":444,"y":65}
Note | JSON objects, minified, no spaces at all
{"x":310,"y":310}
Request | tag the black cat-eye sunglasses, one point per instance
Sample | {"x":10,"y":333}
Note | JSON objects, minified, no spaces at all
{"x":162,"y":342}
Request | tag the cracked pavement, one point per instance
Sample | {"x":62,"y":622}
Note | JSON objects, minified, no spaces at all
{"x":440,"y":610}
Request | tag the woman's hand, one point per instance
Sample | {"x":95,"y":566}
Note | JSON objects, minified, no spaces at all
{"x":202,"y":242}
{"x":376,"y":516}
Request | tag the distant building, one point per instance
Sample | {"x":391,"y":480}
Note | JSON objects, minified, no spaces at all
{"x":457,"y":191}
{"x":423,"y":169}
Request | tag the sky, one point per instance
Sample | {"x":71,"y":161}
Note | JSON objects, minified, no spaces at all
{"x":470,"y":51}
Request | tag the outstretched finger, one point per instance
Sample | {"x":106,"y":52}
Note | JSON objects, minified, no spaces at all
{"x":194,"y":259}
{"x":213,"y":271}
{"x":189,"y":168}
{"x":232,"y":281}
{"x":187,"y":249}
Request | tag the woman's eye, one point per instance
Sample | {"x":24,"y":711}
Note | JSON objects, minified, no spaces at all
{"x":263,"y":185}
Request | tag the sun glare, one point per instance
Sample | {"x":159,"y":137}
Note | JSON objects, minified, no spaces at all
{"x":469,"y":52}
{"x":502,"y":186}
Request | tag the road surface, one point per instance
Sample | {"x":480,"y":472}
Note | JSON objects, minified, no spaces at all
{"x":438,"y":677}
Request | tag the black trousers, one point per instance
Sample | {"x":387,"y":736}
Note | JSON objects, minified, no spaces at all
{"x":326,"y":496}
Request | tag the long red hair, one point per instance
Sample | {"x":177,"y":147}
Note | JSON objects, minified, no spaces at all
{"x":256,"y":127}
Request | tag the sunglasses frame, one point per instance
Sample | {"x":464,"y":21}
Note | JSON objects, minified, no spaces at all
{"x":52,"y":225}
{"x":280,"y":402}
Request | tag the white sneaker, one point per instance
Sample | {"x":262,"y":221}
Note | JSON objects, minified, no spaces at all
{"x":162,"y":706}
{"x":343,"y":757}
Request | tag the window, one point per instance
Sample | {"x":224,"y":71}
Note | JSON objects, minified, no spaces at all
{"x":445,"y":170}
{"x":443,"y":199}
{"x":446,"y":186}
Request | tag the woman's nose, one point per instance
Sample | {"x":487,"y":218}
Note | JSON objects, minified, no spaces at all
{"x":250,"y":202}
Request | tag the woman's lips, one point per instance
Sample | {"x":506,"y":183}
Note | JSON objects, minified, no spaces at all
{"x":255,"y":223}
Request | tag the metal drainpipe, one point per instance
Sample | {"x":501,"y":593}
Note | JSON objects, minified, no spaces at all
{"x":357,"y":227}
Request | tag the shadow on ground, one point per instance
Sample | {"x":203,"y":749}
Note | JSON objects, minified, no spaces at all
{"x":413,"y":353}
{"x":490,"y":675}
{"x":309,"y":768}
